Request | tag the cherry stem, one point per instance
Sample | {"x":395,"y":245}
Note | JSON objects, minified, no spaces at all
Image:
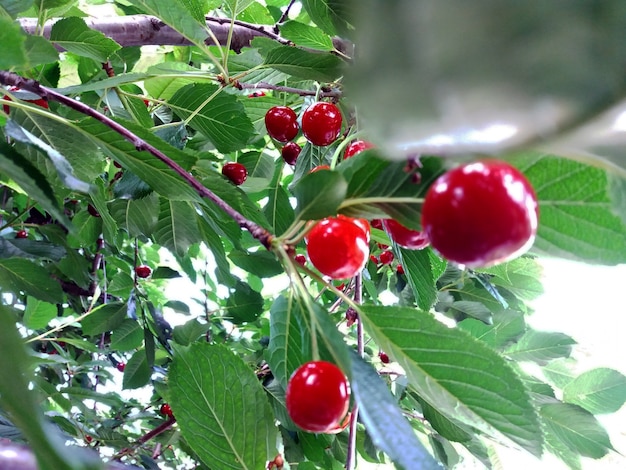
{"x":12,"y":79}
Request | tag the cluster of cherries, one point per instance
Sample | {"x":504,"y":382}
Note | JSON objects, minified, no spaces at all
{"x":477,"y":214}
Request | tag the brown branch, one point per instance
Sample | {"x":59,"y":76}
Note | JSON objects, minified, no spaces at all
{"x":12,"y":79}
{"x":326,"y":92}
{"x":145,"y":30}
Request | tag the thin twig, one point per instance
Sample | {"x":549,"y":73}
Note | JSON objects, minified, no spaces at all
{"x":258,"y":232}
{"x":324,"y":93}
{"x":284,"y":16}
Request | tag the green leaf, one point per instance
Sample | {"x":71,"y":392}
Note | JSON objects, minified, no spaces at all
{"x":197,"y":8}
{"x":304,"y":35}
{"x":13,"y":40}
{"x":521,"y":277}
{"x":422,"y":269}
{"x":73,"y":35}
{"x":22,"y":405}
{"x":384,"y":421}
{"x":455,"y":373}
{"x":222,"y":119}
{"x":237,"y":6}
{"x":319,"y":194}
{"x":40,"y":51}
{"x":26,"y":248}
{"x":472,"y":309}
{"x":508,"y":326}
{"x":180,"y":19}
{"x":278,"y":209}
{"x":598,"y":391}
{"x":13,"y":7}
{"x":260,"y":263}
{"x":576,"y":218}
{"x":446,"y":427}
{"x":233,"y":430}
{"x":127,"y":336}
{"x":31,"y":181}
{"x":322,"y":67}
{"x":244,"y":304}
{"x":541,"y":347}
{"x":106,"y":317}
{"x":189,"y":332}
{"x":329,"y":15}
{"x":137,"y":371}
{"x":576,"y":428}
{"x":177,"y":227}
{"x":38,"y":314}
{"x":23,"y":275}
{"x":137,"y":216}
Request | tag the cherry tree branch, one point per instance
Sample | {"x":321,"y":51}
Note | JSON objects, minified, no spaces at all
{"x":326,"y":92}
{"x":146,"y":30}
{"x":12,"y":79}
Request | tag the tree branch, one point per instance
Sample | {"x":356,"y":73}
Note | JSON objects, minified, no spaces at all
{"x":12,"y":79}
{"x":145,"y":30}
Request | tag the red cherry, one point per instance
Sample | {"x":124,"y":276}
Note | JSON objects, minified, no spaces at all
{"x":317,"y":396}
{"x":146,"y":102}
{"x":21,"y":234}
{"x":321,"y":123}
{"x":39,"y":102}
{"x":290,"y":152}
{"x":384,"y":358}
{"x":377,"y":223}
{"x":121,"y":366}
{"x":337,"y":247}
{"x":300,"y":259}
{"x":400,"y":269}
{"x":357,"y":146}
{"x":382,"y":246}
{"x":363,"y":223}
{"x":93,"y":211}
{"x":88,"y":439}
{"x":235,"y":172}
{"x":480,"y":214}
{"x":373,"y":259}
{"x":406,"y":238}
{"x":256,"y":94}
{"x":319,"y":167}
{"x":143,"y":271}
{"x":281,"y":123}
{"x":166,"y":410}
{"x":386,"y":257}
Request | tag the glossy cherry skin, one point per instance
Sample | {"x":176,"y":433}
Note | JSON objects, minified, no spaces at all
{"x":166,"y":410}
{"x":406,"y":238}
{"x":21,"y":234}
{"x":384,"y":358}
{"x":317,"y":396}
{"x":480,"y":214}
{"x":386,"y":257}
{"x":281,"y":123}
{"x":143,"y":271}
{"x":235,"y":172}
{"x":321,"y":123}
{"x":355,"y":147}
{"x":290,"y":153}
{"x":363,"y":223}
{"x":300,"y":259}
{"x":120,"y":366}
{"x":338,"y":247}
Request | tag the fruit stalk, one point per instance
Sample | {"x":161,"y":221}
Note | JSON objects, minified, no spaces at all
{"x":12,"y":79}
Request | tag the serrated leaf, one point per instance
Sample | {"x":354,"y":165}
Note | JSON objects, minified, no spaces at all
{"x":104,"y":318}
{"x":384,"y":421}
{"x":223,"y":119}
{"x":319,"y":194}
{"x":473,"y":309}
{"x":576,"y":428}
{"x":177,"y":227}
{"x":237,"y":6}
{"x":73,"y":35}
{"x":38,"y":314}
{"x":127,"y":336}
{"x":541,"y":347}
{"x":244,"y":304}
{"x":233,"y":430}
{"x":454,"y":373}
{"x":40,"y":51}
{"x":278,"y":209}
{"x":13,"y":7}
{"x":304,"y":35}
{"x":322,"y":67}
{"x":26,"y":248}
{"x":576,"y":218}
{"x":23,"y":275}
{"x":598,"y":391}
{"x":422,"y":269}
{"x":189,"y":332}
{"x":508,"y":326}
{"x":14,"y":48}
{"x":137,"y":216}
{"x":260,"y":263}
{"x":137,"y":371}
{"x":329,"y":15}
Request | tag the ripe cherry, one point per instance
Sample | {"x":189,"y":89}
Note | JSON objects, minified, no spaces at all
{"x":166,"y":410}
{"x":363,"y":223}
{"x":399,"y":269}
{"x":290,"y":153}
{"x":143,"y":271}
{"x":88,"y":439}
{"x":281,"y":123}
{"x":384,"y":358}
{"x":235,"y":172}
{"x":480,"y":214}
{"x":38,"y":102}
{"x":93,"y":211}
{"x":374,"y":259}
{"x":317,"y":396}
{"x":357,"y":146}
{"x":386,"y":257}
{"x":300,"y":259}
{"x":338,"y":247}
{"x":377,"y":223}
{"x":21,"y":234}
{"x":256,"y":94}
{"x":120,"y":366}
{"x":406,"y":238}
{"x":321,"y":123}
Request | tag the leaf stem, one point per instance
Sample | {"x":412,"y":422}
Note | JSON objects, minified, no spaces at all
{"x":258,"y":232}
